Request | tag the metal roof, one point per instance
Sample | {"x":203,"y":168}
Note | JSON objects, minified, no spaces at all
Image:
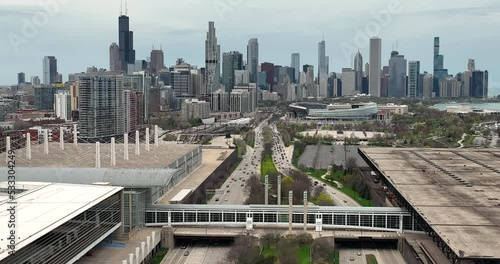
{"x":116,"y":177}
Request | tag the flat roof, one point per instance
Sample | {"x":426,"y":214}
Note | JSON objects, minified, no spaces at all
{"x":212,"y":159}
{"x":46,"y":206}
{"x":181,"y":195}
{"x":84,"y":155}
{"x":457,"y":191}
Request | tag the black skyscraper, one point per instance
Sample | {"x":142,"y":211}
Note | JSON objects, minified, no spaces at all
{"x":126,"y":42}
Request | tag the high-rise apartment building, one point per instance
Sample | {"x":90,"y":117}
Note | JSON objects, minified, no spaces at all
{"x":125,"y":43}
{"x":114,"y":58}
{"x":21,"y":78}
{"x":428,"y":86}
{"x":49,"y":70}
{"x":157,"y":61}
{"x":62,"y":105}
{"x":180,"y":80}
{"x":44,"y":96}
{"x":375,"y":66}
{"x":253,"y":59}
{"x":219,"y":101}
{"x":358,"y":68}
{"x":195,"y":108}
{"x":450,"y":87}
{"x":231,"y":62}
{"x":397,"y":75}
{"x":414,"y":79}
{"x":212,"y":60}
{"x":295,"y":64}
{"x":101,"y":101}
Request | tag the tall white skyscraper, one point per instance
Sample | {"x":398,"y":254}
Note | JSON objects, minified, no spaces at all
{"x":62,"y":105}
{"x":375,"y":66}
{"x":322,"y":69}
{"x":296,"y":65}
{"x":253,"y":58}
{"x":49,"y":70}
{"x":212,"y":60}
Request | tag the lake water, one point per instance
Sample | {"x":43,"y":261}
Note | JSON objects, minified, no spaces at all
{"x":489,"y":106}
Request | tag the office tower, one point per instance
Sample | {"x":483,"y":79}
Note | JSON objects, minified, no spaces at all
{"x":322,"y":69}
{"x":253,"y":58}
{"x":164,"y":76}
{"x":479,"y":84}
{"x":413,"y":79}
{"x":212,"y":60}
{"x":262,"y":80}
{"x":295,"y":64}
{"x":239,"y":100}
{"x":471,"y":65}
{"x":231,"y":61}
{"x":21,"y":78}
{"x":450,"y":88}
{"x":157,"y":62}
{"x":138,"y":66}
{"x":420,"y":84}
{"x":384,"y":82}
{"x":439,"y":72}
{"x":59,"y":78}
{"x":62,"y":105}
{"x":364,"y":85}
{"x":139,"y":82}
{"x":196,"y":82}
{"x":44,"y":96}
{"x":337,"y":86}
{"x":327,"y":64}
{"x":428,"y":84}
{"x":180,"y":80}
{"x":367,"y":69}
{"x":125,"y":43}
{"x":114,"y":57}
{"x":251,"y":89}
{"x":35,"y":81}
{"x":466,"y":80}
{"x":284,"y":72}
{"x":308,"y":71}
{"x":358,"y":68}
{"x":397,"y":75}
{"x":101,"y":102}
{"x":348,"y":78}
{"x":268,"y":68}
{"x":49,"y":70}
{"x":375,"y":65}
{"x":242,"y":77}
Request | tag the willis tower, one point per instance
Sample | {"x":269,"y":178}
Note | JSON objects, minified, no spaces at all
{"x":126,"y":41}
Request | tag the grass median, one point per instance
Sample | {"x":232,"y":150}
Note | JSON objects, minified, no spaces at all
{"x":267,"y":166}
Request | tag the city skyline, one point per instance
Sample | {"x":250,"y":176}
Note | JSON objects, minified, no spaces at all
{"x":187,"y":41}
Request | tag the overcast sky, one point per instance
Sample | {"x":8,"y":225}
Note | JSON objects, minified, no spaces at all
{"x":79,"y":32}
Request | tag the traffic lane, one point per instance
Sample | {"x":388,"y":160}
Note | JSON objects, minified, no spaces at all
{"x":389,"y":256}
{"x":176,"y":255}
{"x":349,"y":255}
{"x":217,"y":254}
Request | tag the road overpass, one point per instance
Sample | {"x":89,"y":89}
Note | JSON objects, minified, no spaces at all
{"x":274,"y":216}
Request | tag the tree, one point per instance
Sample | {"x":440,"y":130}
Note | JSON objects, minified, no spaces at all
{"x":287,"y":252}
{"x":244,"y":251}
{"x":323,"y":199}
{"x":350,"y":164}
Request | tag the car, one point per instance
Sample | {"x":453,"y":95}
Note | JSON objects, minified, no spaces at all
{"x":225,"y":199}
{"x":359,"y":253}
{"x":186,"y":253}
{"x":184,"y":247}
{"x":324,"y":184}
{"x":228,"y":191}
{"x":242,"y":184}
{"x":227,"y":186}
{"x":351,"y":258}
{"x":216,"y":199}
{"x":345,"y":201}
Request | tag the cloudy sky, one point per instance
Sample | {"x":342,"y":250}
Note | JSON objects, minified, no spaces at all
{"x":79,"y":32}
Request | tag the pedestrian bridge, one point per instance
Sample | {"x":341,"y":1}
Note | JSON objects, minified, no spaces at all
{"x":276,"y":216}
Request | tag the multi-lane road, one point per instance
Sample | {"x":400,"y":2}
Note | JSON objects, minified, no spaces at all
{"x":233,"y":190}
{"x":384,"y":253}
{"x":198,"y":251}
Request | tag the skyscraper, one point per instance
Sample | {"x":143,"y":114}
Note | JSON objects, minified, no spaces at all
{"x":35,"y":81}
{"x":101,"y":101}
{"x":253,"y":58}
{"x":439,"y":72}
{"x":231,"y":61}
{"x":268,"y":68}
{"x":49,"y":70}
{"x":114,"y":57}
{"x":413,"y":79}
{"x":428,"y":86}
{"x":471,"y":65}
{"x":212,"y":60}
{"x":358,"y":68}
{"x":322,"y":69}
{"x":126,"y":42}
{"x":62,"y":105}
{"x":296,"y":65}
{"x":397,"y":75}
{"x":157,"y":62}
{"x":375,"y":66}
{"x":21,"y":78}
{"x":479,"y":84}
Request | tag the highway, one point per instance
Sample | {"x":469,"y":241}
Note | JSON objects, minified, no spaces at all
{"x":283,"y":163}
{"x":233,"y":190}
{"x":200,"y":251}
{"x":383,"y":252}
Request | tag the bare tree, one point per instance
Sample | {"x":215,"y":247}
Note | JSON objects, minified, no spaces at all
{"x":244,"y":251}
{"x":287,"y":252}
{"x":350,"y":164}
